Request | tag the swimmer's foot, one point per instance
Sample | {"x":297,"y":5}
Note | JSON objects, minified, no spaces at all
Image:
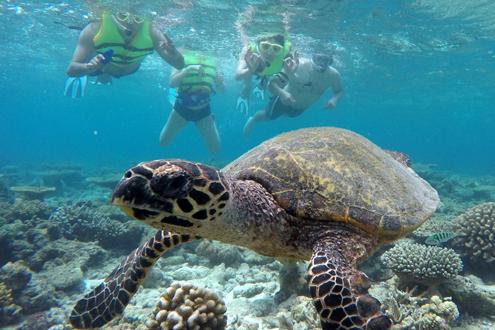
{"x":103,"y":79}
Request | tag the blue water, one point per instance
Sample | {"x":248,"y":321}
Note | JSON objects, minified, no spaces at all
{"x":416,"y":80}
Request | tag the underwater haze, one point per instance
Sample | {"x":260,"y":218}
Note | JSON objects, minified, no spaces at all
{"x":418,"y":78}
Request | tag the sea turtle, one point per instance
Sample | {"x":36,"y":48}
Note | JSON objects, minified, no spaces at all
{"x":327,"y":195}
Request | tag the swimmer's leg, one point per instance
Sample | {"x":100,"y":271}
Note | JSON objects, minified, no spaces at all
{"x":174,"y":124}
{"x":208,"y":130}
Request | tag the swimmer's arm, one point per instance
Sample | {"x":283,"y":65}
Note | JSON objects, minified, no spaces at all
{"x":243,"y":72}
{"x":176,"y":77}
{"x":335,"y":82}
{"x":277,"y":83}
{"x":219,"y":84}
{"x":83,"y":53}
{"x":166,"y":49}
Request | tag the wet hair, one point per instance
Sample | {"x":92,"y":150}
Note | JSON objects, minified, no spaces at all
{"x":276,"y":38}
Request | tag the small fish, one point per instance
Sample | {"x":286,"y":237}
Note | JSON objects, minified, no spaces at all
{"x":440,"y":237}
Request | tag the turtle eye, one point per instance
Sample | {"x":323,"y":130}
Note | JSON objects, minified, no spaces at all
{"x":128,"y":174}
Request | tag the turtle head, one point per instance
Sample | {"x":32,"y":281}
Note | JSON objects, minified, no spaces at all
{"x":172,"y":195}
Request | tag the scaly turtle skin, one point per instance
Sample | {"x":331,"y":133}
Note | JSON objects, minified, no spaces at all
{"x":326,"y":195}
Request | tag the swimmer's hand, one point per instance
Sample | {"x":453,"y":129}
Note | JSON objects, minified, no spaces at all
{"x":195,"y":68}
{"x":242,"y":106}
{"x":330,"y":104}
{"x":287,"y":98}
{"x":96,"y":63}
{"x":290,"y":64}
{"x":253,"y":61}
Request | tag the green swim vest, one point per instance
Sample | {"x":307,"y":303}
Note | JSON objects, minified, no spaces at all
{"x":109,"y":37}
{"x":194,"y":82}
{"x":276,"y":64}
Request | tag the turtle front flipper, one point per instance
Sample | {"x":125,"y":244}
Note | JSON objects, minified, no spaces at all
{"x":339,"y":293}
{"x":110,"y":298}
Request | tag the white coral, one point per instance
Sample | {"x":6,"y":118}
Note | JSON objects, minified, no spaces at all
{"x":422,"y":262}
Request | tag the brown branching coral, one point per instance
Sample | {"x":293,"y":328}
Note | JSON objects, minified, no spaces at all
{"x":9,"y":312}
{"x":186,"y":307}
{"x":476,"y":234}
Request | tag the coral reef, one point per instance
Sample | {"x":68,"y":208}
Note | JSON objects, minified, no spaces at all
{"x":9,"y":311}
{"x":60,"y":176}
{"x":471,"y":294}
{"x":28,"y":193}
{"x":458,"y":192}
{"x":420,"y":263}
{"x":5,"y":193}
{"x":24,"y":210}
{"x":476,"y":235}
{"x":219,"y":253}
{"x":84,"y":223}
{"x":435,"y":224}
{"x":108,"y":181}
{"x":184,"y":306}
{"x":292,"y":280}
{"x":30,"y":291}
{"x":415,"y":312}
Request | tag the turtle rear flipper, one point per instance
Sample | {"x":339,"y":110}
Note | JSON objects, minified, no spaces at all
{"x":110,"y":298}
{"x":339,"y":292}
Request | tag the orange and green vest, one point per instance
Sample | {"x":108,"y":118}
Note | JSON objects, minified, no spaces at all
{"x":109,"y":37}
{"x":276,"y":64}
{"x":194,"y":82}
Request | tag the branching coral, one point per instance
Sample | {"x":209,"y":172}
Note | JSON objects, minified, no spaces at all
{"x":26,"y":210}
{"x":476,"y":234}
{"x":9,"y":311}
{"x":417,"y":262}
{"x":184,"y":306}
{"x":408,"y":311}
{"x":84,"y":223}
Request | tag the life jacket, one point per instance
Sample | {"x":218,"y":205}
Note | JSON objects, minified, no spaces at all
{"x":194,"y":82}
{"x":109,"y":37}
{"x":276,"y":64}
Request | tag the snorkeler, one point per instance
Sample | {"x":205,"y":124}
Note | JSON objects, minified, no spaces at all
{"x":195,"y":84}
{"x":305,"y":80}
{"x":261,"y":59}
{"x":115,"y":46}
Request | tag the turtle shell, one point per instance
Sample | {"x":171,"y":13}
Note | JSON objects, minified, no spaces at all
{"x":332,"y":174}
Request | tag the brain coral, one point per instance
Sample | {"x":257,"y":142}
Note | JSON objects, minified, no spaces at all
{"x":476,"y":234}
{"x":184,"y":306}
{"x":422,"y":263}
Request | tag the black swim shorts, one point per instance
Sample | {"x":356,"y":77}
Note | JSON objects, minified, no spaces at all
{"x":277,"y":108}
{"x":192,"y":114}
